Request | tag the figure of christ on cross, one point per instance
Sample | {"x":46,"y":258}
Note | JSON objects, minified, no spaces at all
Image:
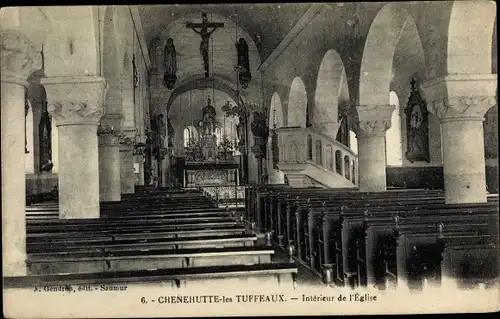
{"x":205,"y":36}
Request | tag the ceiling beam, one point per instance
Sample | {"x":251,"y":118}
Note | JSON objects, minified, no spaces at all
{"x":307,"y":17}
{"x":136,"y":19}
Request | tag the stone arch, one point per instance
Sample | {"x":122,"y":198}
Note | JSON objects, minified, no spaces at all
{"x":470,"y":33}
{"x":331,"y":81}
{"x":378,"y":55}
{"x":199,"y":82}
{"x":297,"y":104}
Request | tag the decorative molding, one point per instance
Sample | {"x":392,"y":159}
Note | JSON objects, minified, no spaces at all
{"x":126,"y":143}
{"x":19,"y":57}
{"x":69,"y":112}
{"x":371,"y":127}
{"x":306,"y":18}
{"x":136,"y":19}
{"x":461,"y":96}
{"x":461,"y":108}
{"x":370,"y":119}
{"x":85,"y":105}
{"x":108,"y":136}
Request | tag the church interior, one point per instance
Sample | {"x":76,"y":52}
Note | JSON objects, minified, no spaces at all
{"x":328,"y":144}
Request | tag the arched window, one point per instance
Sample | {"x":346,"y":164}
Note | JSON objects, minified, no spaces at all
{"x":338,"y":162}
{"x":353,"y":142}
{"x":187,"y":136}
{"x":393,"y":140}
{"x":329,"y":157}
{"x":218,"y":135}
{"x":319,"y":153}
{"x":347,"y":167}
{"x":309,"y":148}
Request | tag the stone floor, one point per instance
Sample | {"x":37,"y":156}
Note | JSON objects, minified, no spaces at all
{"x":304,"y":276}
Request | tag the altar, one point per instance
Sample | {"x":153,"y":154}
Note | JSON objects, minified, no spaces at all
{"x":209,"y":161}
{"x":199,"y":174}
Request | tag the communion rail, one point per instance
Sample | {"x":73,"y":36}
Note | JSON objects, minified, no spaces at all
{"x":227,"y":195}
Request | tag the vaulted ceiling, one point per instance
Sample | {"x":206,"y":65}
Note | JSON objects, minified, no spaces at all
{"x":267,"y":24}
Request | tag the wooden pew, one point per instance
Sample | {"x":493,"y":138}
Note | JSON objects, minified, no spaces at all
{"x":312,"y":223}
{"x":78,"y":262}
{"x":166,"y":232}
{"x":361,"y":242}
{"x":421,"y":252}
{"x":381,"y":260}
{"x":283,"y":274}
{"x":470,"y":259}
{"x":110,"y":244}
{"x":324,"y":227}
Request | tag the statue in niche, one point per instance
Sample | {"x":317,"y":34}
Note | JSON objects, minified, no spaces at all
{"x":258,"y":126}
{"x":243,"y":63}
{"x":170,"y":62}
{"x":162,"y":130}
{"x":171,"y":133}
{"x":158,"y":126}
{"x":45,"y":140}
{"x":417,"y":127}
{"x":343,"y":133}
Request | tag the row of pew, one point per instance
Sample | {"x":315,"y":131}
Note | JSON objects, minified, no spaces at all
{"x":380,"y":239}
{"x":152,"y":236}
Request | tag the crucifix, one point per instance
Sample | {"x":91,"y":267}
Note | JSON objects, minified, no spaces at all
{"x":205,"y":36}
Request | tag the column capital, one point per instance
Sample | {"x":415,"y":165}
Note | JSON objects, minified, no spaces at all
{"x":371,"y":120}
{"x":75,"y":100}
{"x":108,"y":135}
{"x":19,"y":57}
{"x":126,"y":143}
{"x":461,"y":96}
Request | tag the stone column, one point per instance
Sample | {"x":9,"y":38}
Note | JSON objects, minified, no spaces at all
{"x":18,"y":59}
{"x":127,"y":177}
{"x":370,"y":125}
{"x":109,"y":164}
{"x":75,"y":104}
{"x":461,"y":101}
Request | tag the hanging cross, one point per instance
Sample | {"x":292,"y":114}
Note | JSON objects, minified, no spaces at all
{"x":205,"y":36}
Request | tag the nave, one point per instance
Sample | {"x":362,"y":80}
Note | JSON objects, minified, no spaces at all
{"x":346,"y":147}
{"x":338,"y":238}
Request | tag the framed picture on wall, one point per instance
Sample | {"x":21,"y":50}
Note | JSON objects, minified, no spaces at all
{"x":417,"y":127}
